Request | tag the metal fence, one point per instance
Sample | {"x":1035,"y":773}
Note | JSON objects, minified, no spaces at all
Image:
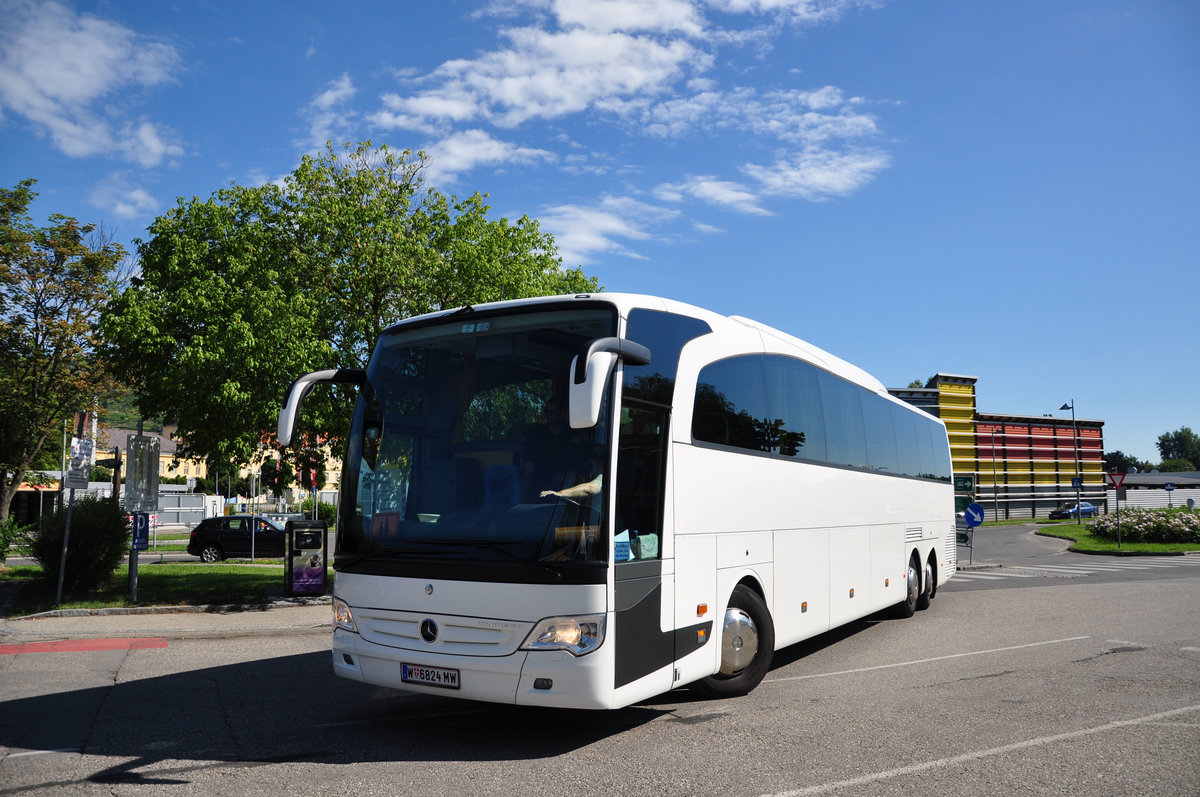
{"x":1153,"y":498}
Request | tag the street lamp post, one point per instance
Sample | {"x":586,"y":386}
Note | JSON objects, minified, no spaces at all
{"x":1078,"y":476}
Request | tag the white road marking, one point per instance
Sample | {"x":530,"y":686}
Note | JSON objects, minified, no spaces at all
{"x":926,"y":661}
{"x":1060,"y":569}
{"x":966,"y":758}
{"x":44,"y":752}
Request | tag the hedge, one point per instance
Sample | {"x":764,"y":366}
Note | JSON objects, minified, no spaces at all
{"x":1149,"y":525}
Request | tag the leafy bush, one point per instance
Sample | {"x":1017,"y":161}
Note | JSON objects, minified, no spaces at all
{"x":12,"y":535}
{"x":99,"y":539}
{"x":1150,"y":525}
{"x":326,"y":512}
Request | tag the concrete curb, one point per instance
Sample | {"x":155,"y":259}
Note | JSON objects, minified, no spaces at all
{"x":230,"y":608}
{"x":295,"y":615}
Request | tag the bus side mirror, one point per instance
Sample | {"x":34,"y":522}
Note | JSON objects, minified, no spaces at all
{"x":590,"y":371}
{"x":302,"y":387}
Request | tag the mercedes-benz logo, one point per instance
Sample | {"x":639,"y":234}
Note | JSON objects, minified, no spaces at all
{"x":429,"y":630}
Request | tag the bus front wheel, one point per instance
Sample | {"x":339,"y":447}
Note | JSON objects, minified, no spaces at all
{"x":747,"y":646}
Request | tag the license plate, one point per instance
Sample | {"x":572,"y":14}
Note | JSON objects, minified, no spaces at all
{"x":429,"y":676}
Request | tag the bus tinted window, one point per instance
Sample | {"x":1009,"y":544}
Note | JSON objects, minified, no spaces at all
{"x":881,"y":434}
{"x":907,"y":432}
{"x":785,"y":406}
{"x":845,"y":434}
{"x":927,"y":444}
{"x":794,"y":395}
{"x":940,"y":467}
{"x":665,"y":335}
{"x":731,"y":405}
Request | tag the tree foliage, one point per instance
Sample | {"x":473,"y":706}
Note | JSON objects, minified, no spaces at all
{"x":54,"y":280}
{"x":1182,"y":444}
{"x":256,"y":286}
{"x":1120,"y":462}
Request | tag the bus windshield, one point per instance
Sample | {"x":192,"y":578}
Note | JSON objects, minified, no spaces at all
{"x":461,"y":459}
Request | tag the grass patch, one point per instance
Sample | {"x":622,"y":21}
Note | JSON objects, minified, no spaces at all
{"x":159,"y":584}
{"x":1086,"y":542}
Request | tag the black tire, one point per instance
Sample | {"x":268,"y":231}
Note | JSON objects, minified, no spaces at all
{"x":927,"y":588}
{"x":211,"y":553}
{"x":912,"y":592}
{"x":747,"y":642}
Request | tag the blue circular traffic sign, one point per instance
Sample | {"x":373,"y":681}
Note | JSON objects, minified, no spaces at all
{"x":974,"y":515}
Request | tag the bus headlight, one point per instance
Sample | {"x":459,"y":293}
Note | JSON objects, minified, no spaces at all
{"x":576,"y":635}
{"x":342,"y":616}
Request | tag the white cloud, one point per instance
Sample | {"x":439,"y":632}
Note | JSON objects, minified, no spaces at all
{"x":328,"y":115}
{"x":544,"y":75}
{"x":817,"y":174}
{"x":802,"y":11}
{"x":583,"y":231}
{"x":713,"y":191}
{"x":607,"y":16}
{"x":116,"y":196}
{"x":58,"y":68}
{"x":145,"y":144}
{"x":795,"y":115}
{"x":642,"y":72}
{"x":464,"y":151}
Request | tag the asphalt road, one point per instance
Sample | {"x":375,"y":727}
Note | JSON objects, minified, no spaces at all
{"x":1085,"y":683}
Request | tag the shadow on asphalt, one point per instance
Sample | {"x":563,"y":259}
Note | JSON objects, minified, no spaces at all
{"x":292,"y":709}
{"x":286,"y":709}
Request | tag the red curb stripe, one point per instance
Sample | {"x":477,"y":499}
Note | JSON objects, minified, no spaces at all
{"x":84,"y":645}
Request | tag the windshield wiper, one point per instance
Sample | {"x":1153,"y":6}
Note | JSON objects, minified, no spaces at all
{"x":490,"y":545}
{"x":494,"y":545}
{"x":380,"y":553}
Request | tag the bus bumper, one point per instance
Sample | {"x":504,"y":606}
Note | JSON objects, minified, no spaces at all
{"x":534,"y":678}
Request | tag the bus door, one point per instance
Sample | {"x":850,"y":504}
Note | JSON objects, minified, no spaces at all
{"x":644,"y":595}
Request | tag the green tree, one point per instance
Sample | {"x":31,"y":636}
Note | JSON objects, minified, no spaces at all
{"x":54,"y":281}
{"x":244,"y":292}
{"x":276,"y":476}
{"x":1120,"y":462}
{"x":1182,"y":444}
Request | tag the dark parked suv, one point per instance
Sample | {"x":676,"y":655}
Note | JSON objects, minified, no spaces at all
{"x":219,"y":537}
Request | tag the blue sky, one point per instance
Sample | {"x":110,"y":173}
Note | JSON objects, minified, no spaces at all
{"x":1007,"y":190}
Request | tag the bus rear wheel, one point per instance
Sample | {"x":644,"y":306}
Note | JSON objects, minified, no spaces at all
{"x":912,"y":592}
{"x":927,"y":588}
{"x":747,"y":646}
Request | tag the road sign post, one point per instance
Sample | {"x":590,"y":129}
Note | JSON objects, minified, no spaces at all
{"x":1116,"y":480}
{"x":76,"y":478}
{"x":972,"y":516}
{"x":141,"y":542}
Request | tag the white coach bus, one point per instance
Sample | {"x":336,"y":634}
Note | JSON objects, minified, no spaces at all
{"x":585,"y":501}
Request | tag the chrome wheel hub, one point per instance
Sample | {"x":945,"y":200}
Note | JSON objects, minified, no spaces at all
{"x":739,"y":641}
